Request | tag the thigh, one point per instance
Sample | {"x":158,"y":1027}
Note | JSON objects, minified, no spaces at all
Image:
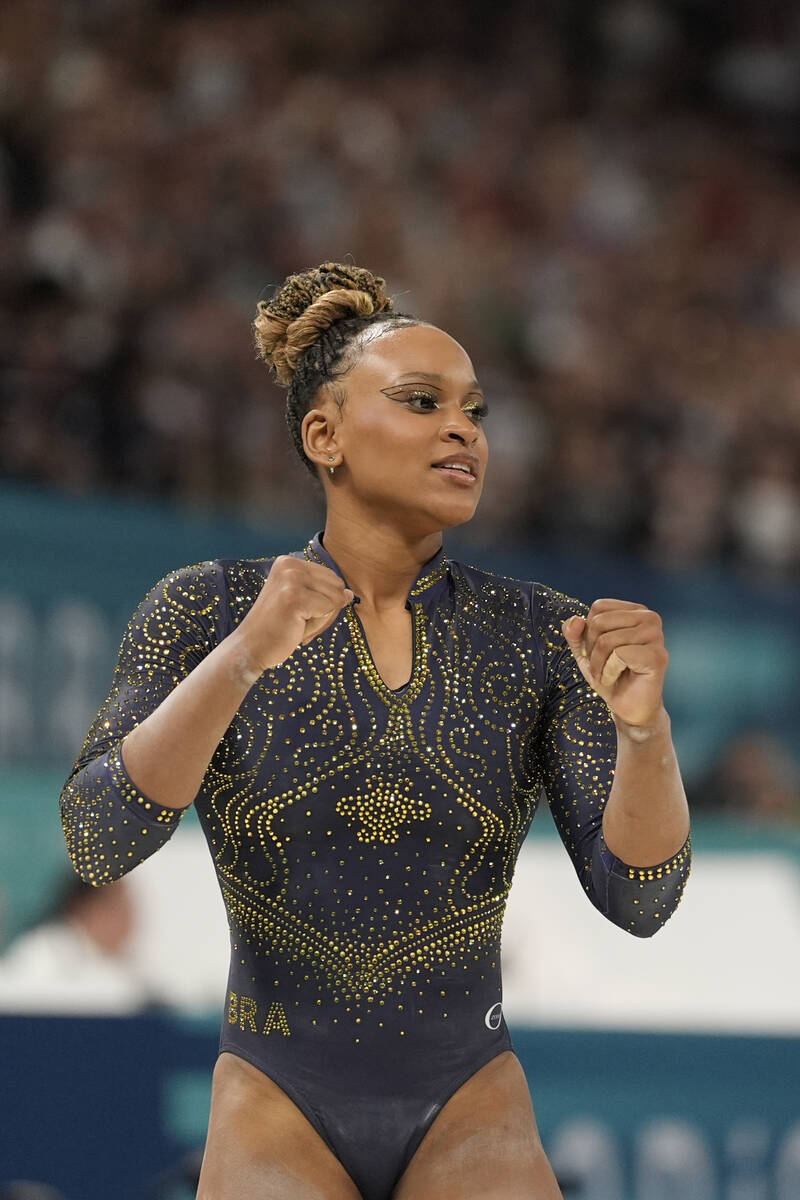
{"x":484,"y":1144}
{"x":260,"y":1146}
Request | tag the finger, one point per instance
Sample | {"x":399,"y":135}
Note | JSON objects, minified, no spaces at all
{"x":607,"y":603}
{"x":305,"y":570}
{"x":638,"y":624}
{"x":614,"y":666}
{"x":600,"y":646}
{"x":317,"y":603}
{"x":318,"y":622}
{"x":620,"y":618}
{"x":333,"y":585}
{"x":311,"y":600}
{"x":574,"y":629}
{"x":641,"y":660}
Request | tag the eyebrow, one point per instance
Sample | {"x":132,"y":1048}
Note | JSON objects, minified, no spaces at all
{"x":434,"y":379}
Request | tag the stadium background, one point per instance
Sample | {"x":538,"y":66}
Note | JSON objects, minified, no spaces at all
{"x":601,"y":202}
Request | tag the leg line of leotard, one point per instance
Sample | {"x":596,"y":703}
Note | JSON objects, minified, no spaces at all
{"x":304,"y":1105}
{"x":293,"y":1093}
{"x":416,"y":1141}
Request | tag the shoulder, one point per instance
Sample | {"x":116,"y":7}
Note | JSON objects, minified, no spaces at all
{"x":225,"y":587}
{"x":546,"y":605}
{"x":186,"y":602}
{"x":188,"y":587}
{"x":523,"y":611}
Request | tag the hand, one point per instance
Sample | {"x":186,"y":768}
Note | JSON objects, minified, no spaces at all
{"x":298,"y":601}
{"x":619,"y":648}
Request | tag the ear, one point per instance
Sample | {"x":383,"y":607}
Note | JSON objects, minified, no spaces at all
{"x":320,"y":436}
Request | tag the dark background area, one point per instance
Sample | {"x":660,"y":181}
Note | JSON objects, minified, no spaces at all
{"x":600,"y":201}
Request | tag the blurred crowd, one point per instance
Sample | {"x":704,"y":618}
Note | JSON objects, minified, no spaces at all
{"x":600,"y":201}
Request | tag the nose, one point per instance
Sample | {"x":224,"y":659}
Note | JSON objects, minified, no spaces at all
{"x":461,"y":431}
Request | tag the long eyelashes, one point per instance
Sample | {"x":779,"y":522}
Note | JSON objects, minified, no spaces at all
{"x":476,"y":412}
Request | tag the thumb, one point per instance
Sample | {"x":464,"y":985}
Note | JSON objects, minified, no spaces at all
{"x":573,"y":629}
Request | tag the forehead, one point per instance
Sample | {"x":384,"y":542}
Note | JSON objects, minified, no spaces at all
{"x":387,"y":353}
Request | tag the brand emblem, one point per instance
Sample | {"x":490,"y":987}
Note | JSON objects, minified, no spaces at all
{"x":494,"y":1016}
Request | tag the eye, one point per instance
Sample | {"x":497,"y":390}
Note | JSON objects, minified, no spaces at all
{"x":477,"y":412}
{"x":430,"y":402}
{"x":424,"y":401}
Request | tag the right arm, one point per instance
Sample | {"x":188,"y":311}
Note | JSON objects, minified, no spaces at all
{"x":179,"y":682}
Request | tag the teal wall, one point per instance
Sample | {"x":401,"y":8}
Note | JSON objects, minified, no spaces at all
{"x":72,"y":570}
{"x":624,"y":1116}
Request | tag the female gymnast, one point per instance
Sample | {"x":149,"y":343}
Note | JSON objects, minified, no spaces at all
{"x":365,"y":727}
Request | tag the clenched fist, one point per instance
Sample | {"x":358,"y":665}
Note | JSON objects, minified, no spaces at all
{"x":298,"y":601}
{"x":619,"y":648}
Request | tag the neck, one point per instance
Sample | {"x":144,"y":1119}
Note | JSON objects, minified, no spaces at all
{"x":379,"y":563}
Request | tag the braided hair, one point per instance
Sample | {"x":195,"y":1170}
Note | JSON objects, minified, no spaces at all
{"x":304,"y":331}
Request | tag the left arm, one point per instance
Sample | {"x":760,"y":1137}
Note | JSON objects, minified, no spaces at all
{"x":610,"y":777}
{"x":619,"y":649}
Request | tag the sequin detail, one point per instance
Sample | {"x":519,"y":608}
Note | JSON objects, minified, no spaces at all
{"x":365,"y":840}
{"x":676,"y":863}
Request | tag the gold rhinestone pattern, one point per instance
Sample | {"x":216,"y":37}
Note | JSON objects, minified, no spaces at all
{"x":365,"y":840}
{"x":105,"y":818}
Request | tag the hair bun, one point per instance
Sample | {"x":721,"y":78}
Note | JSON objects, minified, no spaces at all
{"x":309,"y":303}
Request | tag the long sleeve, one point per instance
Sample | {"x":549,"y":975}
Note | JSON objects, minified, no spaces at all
{"x":577,"y":749}
{"x":109,"y":825}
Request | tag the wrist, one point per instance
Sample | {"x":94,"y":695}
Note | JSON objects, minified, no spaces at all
{"x":243,"y":666}
{"x":657,"y":726}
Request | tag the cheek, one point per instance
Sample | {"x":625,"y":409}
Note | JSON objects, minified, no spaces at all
{"x":386,"y":436}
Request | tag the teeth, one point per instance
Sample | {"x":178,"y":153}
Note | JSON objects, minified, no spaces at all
{"x":455,"y":467}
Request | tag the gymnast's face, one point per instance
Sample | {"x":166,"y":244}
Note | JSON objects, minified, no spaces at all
{"x":411,"y":400}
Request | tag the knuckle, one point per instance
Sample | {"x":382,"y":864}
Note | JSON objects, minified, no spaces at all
{"x":283,"y":569}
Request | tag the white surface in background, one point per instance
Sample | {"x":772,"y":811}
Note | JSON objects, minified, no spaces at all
{"x":56,"y":968}
{"x":728,"y":960}
{"x":181,"y":945}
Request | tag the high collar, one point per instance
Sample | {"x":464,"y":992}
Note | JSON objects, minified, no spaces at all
{"x":432,"y":575}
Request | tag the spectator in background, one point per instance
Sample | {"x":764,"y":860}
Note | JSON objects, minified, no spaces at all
{"x":754,"y":778}
{"x":76,"y":961}
{"x":628,"y":170}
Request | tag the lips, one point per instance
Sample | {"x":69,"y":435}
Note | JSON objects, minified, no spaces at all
{"x":457,"y":476}
{"x":459,"y":470}
{"x":453,"y":462}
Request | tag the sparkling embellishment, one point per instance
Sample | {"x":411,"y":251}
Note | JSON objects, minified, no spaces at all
{"x":365,"y":840}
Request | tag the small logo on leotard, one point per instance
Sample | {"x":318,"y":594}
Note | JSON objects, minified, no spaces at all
{"x":494,"y":1016}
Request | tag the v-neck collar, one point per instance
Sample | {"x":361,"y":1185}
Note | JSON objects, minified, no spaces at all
{"x":427,"y":583}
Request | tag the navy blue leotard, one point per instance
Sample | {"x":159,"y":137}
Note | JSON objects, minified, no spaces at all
{"x":365,"y":839}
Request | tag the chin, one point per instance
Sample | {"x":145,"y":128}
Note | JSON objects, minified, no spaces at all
{"x":447,"y":516}
{"x":423,"y":519}
{"x":458,"y":520}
